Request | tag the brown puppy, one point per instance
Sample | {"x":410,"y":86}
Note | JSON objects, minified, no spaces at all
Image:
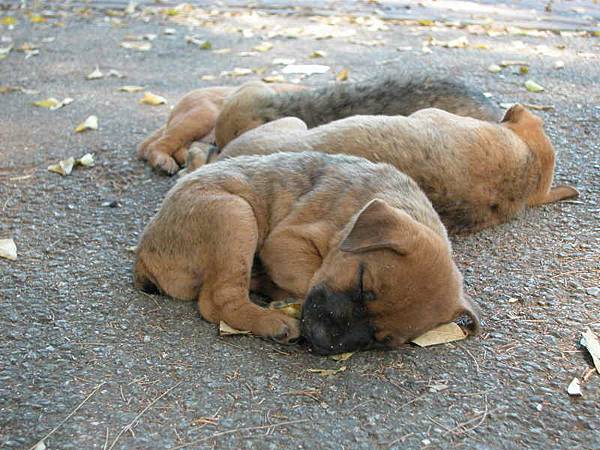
{"x":476,"y":173}
{"x":192,"y":119}
{"x":402,"y":93}
{"x":358,"y":241}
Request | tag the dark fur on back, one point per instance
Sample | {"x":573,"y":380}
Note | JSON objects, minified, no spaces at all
{"x":388,"y":95}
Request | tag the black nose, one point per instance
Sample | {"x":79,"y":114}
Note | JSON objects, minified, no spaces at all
{"x":149,"y":287}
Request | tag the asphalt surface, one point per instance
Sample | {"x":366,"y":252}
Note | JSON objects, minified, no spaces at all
{"x":97,"y":364}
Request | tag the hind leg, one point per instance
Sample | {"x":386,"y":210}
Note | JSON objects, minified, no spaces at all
{"x":556,"y":194}
{"x":226,"y":283}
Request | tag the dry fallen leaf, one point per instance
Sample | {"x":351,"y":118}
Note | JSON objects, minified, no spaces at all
{"x":152,"y":99}
{"x":95,"y":75}
{"x":327,"y":372}
{"x":590,"y":341}
{"x":283,"y":61}
{"x":559,"y":64}
{"x":198,"y":41}
{"x":342,"y":356}
{"x":448,"y":332}
{"x":532,"y":86}
{"x":86,"y":160}
{"x":208,"y":77}
{"x":291,"y":308}
{"x":50,"y":102}
{"x":342,"y":75}
{"x":8,"y":249}
{"x":91,"y":123}
{"x":274,"y":79}
{"x":574,"y":388}
{"x":226,"y":330}
{"x":8,"y":20}
{"x":115,"y":73}
{"x":306,"y":69}
{"x":131,"y":88}
{"x":318,"y":54}
{"x":63,"y":167}
{"x":263,"y":47}
{"x":510,"y":62}
{"x":539,"y":107}
{"x":494,"y":68}
{"x":236,"y":72}
{"x":142,"y":46}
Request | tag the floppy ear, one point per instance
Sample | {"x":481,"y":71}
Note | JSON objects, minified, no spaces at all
{"x":380,"y":226}
{"x":469,"y":311}
{"x":514,"y":113}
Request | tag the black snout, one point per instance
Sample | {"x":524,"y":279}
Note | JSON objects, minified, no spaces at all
{"x":334,"y":322}
{"x":148,"y":286}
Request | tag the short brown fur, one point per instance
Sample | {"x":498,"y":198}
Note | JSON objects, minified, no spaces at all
{"x":310,"y":221}
{"x":476,"y":173}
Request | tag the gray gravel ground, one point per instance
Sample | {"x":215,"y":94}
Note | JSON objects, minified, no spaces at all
{"x":72,"y":325}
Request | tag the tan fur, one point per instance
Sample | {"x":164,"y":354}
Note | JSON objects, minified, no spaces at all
{"x":192,"y":119}
{"x":307,"y":220}
{"x":476,"y":173}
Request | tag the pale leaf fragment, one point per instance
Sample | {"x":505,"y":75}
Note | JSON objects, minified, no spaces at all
{"x":539,"y":107}
{"x":221,"y":51}
{"x":511,"y":62}
{"x":197,"y":40}
{"x":64,"y":167}
{"x":86,"y":160}
{"x":574,"y":388}
{"x":66,"y":101}
{"x":131,"y":88}
{"x":318,"y":54}
{"x":91,"y":123}
{"x":559,"y":64}
{"x":142,"y":46}
{"x":263,"y":47}
{"x":342,"y":356}
{"x":274,"y":79}
{"x":208,"y":77}
{"x":590,"y":341}
{"x":532,"y":86}
{"x":8,"y":249}
{"x":494,"y":68}
{"x":236,"y":72}
{"x":327,"y":372}
{"x":226,"y":330}
{"x":115,"y":73}
{"x":443,"y":334}
{"x":152,"y":99}
{"x":283,"y":61}
{"x":95,"y":75}
{"x":305,"y":69}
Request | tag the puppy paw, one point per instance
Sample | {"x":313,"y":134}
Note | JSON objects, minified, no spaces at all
{"x":163,"y":162}
{"x":280,"y":328}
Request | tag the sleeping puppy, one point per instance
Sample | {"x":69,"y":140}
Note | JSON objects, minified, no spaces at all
{"x":358,"y":241}
{"x":255,"y":103}
{"x":476,"y":173}
{"x":191,"y":120}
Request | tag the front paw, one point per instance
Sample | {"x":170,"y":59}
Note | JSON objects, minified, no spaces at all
{"x":280,"y":328}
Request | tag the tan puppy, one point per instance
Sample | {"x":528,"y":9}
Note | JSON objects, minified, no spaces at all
{"x":476,"y":173}
{"x":359,"y":241}
{"x":192,"y":119}
{"x":400,"y":93}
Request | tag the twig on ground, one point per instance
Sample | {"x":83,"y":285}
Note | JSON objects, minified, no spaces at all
{"x":238,"y":430}
{"x":68,"y":417}
{"x":130,"y":425}
{"x":466,"y":350}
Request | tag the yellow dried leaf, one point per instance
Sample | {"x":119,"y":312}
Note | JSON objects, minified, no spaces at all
{"x":342,"y":75}
{"x":264,"y":47}
{"x":559,"y":64}
{"x":91,"y":123}
{"x":38,"y":19}
{"x":221,"y":51}
{"x":131,"y":88}
{"x":318,"y":54}
{"x":342,"y":356}
{"x":494,"y":68}
{"x":274,"y":79}
{"x":8,"y":20}
{"x":8,"y":249}
{"x":327,"y":372}
{"x":7,"y":89}
{"x":426,"y":22}
{"x":596,"y":33}
{"x":523,"y":70}
{"x":50,"y":102}
{"x":226,"y":330}
{"x":292,"y":309}
{"x":152,"y":99}
{"x":449,"y":332}
{"x":532,"y":86}
{"x":86,"y":160}
{"x":208,"y":77}
{"x":63,"y":167}
{"x":510,"y":62}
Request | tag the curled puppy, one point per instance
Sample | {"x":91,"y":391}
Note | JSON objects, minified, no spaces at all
{"x":255,"y":103}
{"x":192,"y":119}
{"x":476,"y":173}
{"x":358,"y":241}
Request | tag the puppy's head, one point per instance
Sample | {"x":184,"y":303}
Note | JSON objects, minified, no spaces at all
{"x":241,"y":112}
{"x":529,"y":127}
{"x":391,"y":280}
